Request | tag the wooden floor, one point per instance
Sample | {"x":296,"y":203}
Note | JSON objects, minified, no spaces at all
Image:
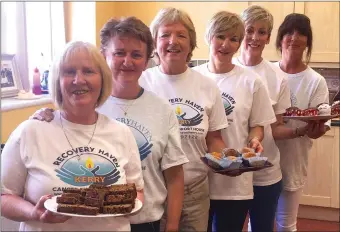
{"x":308,"y":225}
{"x":315,"y":225}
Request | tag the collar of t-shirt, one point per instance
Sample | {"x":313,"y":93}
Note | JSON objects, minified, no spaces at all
{"x":130,"y":102}
{"x":75,"y":126}
{"x":168,"y":77}
{"x":300,"y":74}
{"x":219,"y":76}
{"x":259,"y":65}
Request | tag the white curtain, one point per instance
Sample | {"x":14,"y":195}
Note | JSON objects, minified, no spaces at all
{"x":34,"y":32}
{"x":45,"y":33}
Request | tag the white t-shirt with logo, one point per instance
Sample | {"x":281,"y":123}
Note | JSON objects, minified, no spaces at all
{"x":198,"y":107}
{"x":156,"y":130}
{"x":247,"y":104}
{"x":38,"y":160}
{"x":277,"y":85}
{"x":307,"y":89}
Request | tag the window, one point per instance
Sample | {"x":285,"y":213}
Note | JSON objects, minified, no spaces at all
{"x":34,"y":33}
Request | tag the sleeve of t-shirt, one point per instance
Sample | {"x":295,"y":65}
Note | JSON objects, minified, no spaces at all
{"x":321,"y":95}
{"x":134,"y":167}
{"x":284,"y":98}
{"x":262,"y":112}
{"x":217,"y":118}
{"x":144,"y":80}
{"x":13,"y":169}
{"x":173,"y":154}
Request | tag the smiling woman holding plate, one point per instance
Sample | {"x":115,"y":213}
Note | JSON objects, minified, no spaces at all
{"x":80,"y":147}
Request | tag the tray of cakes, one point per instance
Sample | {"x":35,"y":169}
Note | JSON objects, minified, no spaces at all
{"x":323,"y":112}
{"x":230,"y":161}
{"x":96,"y":201}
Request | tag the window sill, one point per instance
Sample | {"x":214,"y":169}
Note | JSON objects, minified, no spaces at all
{"x":8,"y":104}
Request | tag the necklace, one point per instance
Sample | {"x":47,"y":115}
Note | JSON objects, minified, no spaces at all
{"x":62,"y":127}
{"x":125,"y":109}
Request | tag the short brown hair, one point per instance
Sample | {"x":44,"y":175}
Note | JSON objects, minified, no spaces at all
{"x":173,"y":15}
{"x":57,"y":68}
{"x":130,"y":26}
{"x":296,"y":22}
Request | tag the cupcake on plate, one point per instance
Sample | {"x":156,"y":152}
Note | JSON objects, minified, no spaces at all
{"x":252,"y":158}
{"x":324,"y":109}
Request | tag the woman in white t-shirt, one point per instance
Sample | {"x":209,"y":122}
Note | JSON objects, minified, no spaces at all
{"x":307,"y":89}
{"x":41,"y":159}
{"x":268,"y":182}
{"x":127,"y":45}
{"x":248,"y":108}
{"x":195,"y":100}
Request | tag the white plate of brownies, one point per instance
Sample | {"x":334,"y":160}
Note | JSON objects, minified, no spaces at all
{"x":52,"y":205}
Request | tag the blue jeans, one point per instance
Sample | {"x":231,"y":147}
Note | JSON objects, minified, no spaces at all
{"x":263,"y":207}
{"x":227,"y":215}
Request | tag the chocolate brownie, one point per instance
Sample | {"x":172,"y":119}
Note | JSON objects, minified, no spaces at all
{"x":119,"y":198}
{"x":87,"y":210}
{"x":115,"y":209}
{"x":65,"y":208}
{"x":76,"y":195}
{"x":68,"y":200}
{"x":98,"y":199}
{"x":123,"y":189}
{"x":93,"y":202}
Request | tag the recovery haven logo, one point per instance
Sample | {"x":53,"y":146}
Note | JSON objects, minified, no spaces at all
{"x":188,"y":112}
{"x":84,"y":166}
{"x":142,"y":135}
{"x":190,"y":116}
{"x":228,"y":102}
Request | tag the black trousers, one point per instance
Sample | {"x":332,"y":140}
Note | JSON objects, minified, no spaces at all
{"x":263,"y":207}
{"x":146,"y":227}
{"x":227,"y":215}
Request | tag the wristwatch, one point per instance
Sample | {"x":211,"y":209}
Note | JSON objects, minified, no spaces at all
{"x":297,"y":132}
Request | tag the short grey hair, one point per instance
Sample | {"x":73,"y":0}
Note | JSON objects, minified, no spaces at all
{"x":257,"y":13}
{"x":173,"y":15}
{"x":222,"y":22}
{"x":57,"y":69}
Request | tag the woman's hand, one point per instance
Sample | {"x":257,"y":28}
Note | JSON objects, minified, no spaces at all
{"x":44,"y":114}
{"x":41,"y":214}
{"x":255,"y":144}
{"x":316,"y":129}
{"x":140,"y":195}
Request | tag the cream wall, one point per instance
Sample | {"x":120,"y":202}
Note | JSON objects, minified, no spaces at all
{"x":325,"y":52}
{"x":11,"y":119}
{"x":200,"y":13}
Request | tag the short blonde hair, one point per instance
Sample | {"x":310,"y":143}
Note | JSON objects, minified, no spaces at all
{"x":222,"y":22}
{"x":98,"y":59}
{"x":173,"y":15}
{"x":257,"y":13}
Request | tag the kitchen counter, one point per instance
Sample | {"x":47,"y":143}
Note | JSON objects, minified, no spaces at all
{"x":335,"y":122}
